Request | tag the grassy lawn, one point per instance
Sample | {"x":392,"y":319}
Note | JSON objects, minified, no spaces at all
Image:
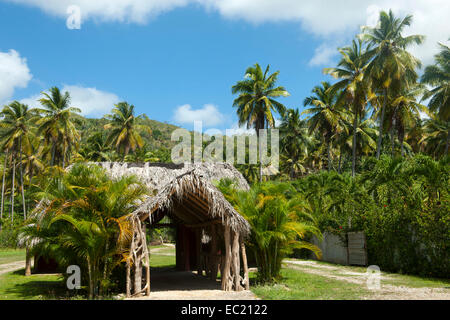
{"x":297,"y":285}
{"x":15,"y":286}
{"x":389,"y":278}
{"x":11,"y":255}
{"x":416,"y":282}
{"x":158,"y":261}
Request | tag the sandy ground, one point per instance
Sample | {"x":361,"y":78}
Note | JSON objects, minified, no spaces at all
{"x":386,"y":291}
{"x":12,"y":266}
{"x":175,"y":285}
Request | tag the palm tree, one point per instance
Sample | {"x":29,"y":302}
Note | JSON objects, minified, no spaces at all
{"x":326,"y":117}
{"x":16,"y":139}
{"x":278,"y":223}
{"x":125,"y":131}
{"x":256,"y":101}
{"x":97,"y":149}
{"x":405,"y":112}
{"x":435,"y":138}
{"x":295,"y":141}
{"x":438,"y":76}
{"x":392,"y":66}
{"x":57,"y":125}
{"x":86,"y":221}
{"x":354,"y":84}
{"x":366,"y":137}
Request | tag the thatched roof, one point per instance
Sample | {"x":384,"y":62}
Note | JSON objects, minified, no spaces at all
{"x":185,"y":192}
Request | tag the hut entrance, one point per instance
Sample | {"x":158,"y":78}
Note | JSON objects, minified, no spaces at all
{"x":209,"y":235}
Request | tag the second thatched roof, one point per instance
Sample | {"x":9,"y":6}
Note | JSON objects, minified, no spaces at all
{"x":185,"y":192}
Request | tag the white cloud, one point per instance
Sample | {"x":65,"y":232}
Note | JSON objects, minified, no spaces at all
{"x":323,"y":55}
{"x":237,"y":130}
{"x":327,"y":20}
{"x":135,"y":11}
{"x":91,"y":101}
{"x":14,"y":73}
{"x":209,"y":115}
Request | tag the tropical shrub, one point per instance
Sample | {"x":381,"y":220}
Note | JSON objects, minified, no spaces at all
{"x":82,"y":220}
{"x":278,"y":223}
{"x":402,"y":205}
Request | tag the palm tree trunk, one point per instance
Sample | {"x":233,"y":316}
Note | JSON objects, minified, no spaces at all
{"x":21,"y":182}
{"x":447,"y":143}
{"x":52,"y":162}
{"x":3,"y":189}
{"x":12,"y":188}
{"x":355,"y":128}
{"x":402,"y":148}
{"x":329,"y":155}
{"x":259,"y":153}
{"x":392,"y":141}
{"x":380,"y":130}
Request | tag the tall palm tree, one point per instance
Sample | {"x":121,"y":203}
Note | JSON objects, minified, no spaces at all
{"x":405,"y":112}
{"x":16,"y":139}
{"x":57,"y":125}
{"x":354,"y":84}
{"x":435,"y":138}
{"x":256,"y":101}
{"x":392,"y":66}
{"x":326,"y":117}
{"x":438,"y":76}
{"x":295,"y":141}
{"x":124,"y":133}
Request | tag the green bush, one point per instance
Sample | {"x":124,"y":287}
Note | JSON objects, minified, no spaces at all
{"x":402,"y":205}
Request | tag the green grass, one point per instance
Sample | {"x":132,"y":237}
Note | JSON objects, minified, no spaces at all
{"x":11,"y":255}
{"x":296,"y":285}
{"x":415,"y":281}
{"x":15,"y":286}
{"x":390,"y":278}
{"x":159,"y":261}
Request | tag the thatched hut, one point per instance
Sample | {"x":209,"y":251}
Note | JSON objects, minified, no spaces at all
{"x":210,"y":232}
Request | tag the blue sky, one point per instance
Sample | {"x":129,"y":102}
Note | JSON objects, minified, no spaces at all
{"x":174,"y":63}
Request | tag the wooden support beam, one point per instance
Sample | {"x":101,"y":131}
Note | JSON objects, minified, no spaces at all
{"x":244,"y":264}
{"x":198,"y":242}
{"x":164,"y":225}
{"x":236,"y":265}
{"x":28,"y":262}
{"x":226,"y":283}
{"x":204,"y":224}
{"x":214,"y":257}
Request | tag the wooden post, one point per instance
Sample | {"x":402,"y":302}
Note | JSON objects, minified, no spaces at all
{"x":137,"y":276}
{"x":214,"y":259}
{"x":128,"y":279}
{"x":244,"y":264}
{"x":147,"y":261}
{"x":226,"y":283}
{"x":236,"y":263}
{"x":28,"y":263}
{"x":198,"y":240}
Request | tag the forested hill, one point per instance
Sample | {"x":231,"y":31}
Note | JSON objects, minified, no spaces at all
{"x":160,"y":136}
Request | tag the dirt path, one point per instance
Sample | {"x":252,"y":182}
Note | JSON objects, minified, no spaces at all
{"x":172,"y":285}
{"x":11,"y":266}
{"x":167,"y":250}
{"x":386,"y":291}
